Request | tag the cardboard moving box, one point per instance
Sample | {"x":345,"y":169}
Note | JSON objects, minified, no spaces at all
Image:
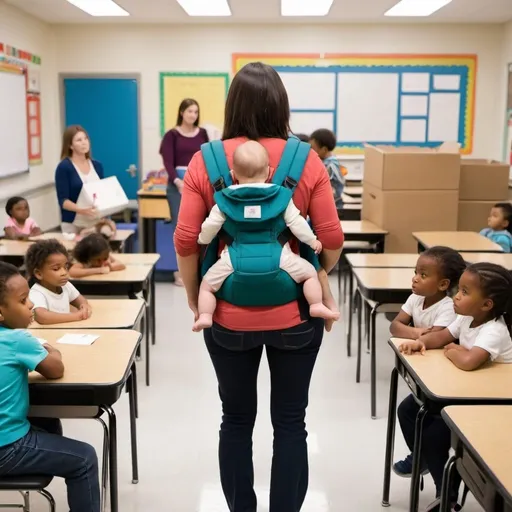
{"x":483,"y":180}
{"x":411,"y":168}
{"x":473,"y":215}
{"x":403,"y":211}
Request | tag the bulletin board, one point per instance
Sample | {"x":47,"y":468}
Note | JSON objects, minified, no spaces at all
{"x":208,"y":89}
{"x":30,"y":64}
{"x":403,"y":100}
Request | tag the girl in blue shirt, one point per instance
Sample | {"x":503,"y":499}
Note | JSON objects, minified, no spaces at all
{"x":25,"y":447}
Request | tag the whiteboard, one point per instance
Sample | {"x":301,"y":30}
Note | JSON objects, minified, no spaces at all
{"x":311,"y":91}
{"x":13,"y":124}
{"x":308,"y":122}
{"x":443,"y":116}
{"x":367,"y":107}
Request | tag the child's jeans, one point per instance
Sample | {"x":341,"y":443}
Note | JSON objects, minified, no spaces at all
{"x":44,"y":453}
{"x":435,"y":444}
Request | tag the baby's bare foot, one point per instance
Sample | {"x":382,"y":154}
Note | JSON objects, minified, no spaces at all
{"x":203,"y":322}
{"x":321,"y":311}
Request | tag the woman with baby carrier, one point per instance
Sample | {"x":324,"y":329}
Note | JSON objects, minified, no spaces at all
{"x":259,"y":304}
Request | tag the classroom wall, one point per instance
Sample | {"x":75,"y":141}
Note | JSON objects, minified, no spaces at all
{"x":153,"y":48}
{"x":27,"y":33}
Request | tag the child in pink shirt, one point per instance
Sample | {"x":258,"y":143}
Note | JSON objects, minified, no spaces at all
{"x":19,"y":225}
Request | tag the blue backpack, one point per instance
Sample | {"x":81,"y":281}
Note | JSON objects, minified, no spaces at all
{"x":255,"y":230}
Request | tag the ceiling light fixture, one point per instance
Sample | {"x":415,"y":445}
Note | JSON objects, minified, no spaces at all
{"x":416,"y":7}
{"x":99,"y":7}
{"x":306,"y":7}
{"x":206,"y":7}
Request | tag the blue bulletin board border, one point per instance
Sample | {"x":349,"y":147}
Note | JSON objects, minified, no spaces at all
{"x":463,"y":66}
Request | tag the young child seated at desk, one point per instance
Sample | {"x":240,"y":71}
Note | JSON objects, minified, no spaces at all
{"x":93,"y":256}
{"x":47,"y":265}
{"x":483,"y":325}
{"x":19,"y":225}
{"x":430,"y":308}
{"x":251,"y":169}
{"x":36,"y":446}
{"x":323,"y":141}
{"x":499,"y":224}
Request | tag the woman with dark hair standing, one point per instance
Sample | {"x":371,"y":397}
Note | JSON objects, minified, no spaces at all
{"x":177,"y":149}
{"x":257,"y":108}
{"x":74,"y":170}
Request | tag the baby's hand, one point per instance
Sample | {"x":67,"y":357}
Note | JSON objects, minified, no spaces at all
{"x":409,"y":347}
{"x":453,"y":346}
{"x":86,"y":310}
{"x":420,"y":331}
{"x":104,"y":270}
{"x":317,"y":246}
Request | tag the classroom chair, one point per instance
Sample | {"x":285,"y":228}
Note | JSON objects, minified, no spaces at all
{"x":24,"y":485}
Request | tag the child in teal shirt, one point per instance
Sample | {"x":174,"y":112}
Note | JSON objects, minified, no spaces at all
{"x":26,"y":447}
{"x":500,"y":226}
{"x":323,"y":141}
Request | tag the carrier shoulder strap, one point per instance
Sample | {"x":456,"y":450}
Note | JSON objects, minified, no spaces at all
{"x":216,"y":165}
{"x":291,"y":165}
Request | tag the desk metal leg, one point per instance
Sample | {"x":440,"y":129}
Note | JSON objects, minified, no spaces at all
{"x":416,"y":458}
{"x":135,"y":390}
{"x":149,"y":228}
{"x":147,"y":330}
{"x":104,"y":465}
{"x":373,"y":357}
{"x":112,"y":428}
{"x":153,"y":307}
{"x":133,"y":431}
{"x":447,"y":479}
{"x":350,"y":307}
{"x":390,"y":436}
{"x":362,"y":304}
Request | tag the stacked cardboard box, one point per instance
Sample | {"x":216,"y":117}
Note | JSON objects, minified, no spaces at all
{"x":483,"y":183}
{"x":411,"y":189}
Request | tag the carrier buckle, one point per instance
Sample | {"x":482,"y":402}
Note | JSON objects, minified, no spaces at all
{"x":219,"y":184}
{"x":289,"y":183}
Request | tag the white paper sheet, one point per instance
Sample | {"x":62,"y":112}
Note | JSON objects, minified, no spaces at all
{"x":78,"y":339}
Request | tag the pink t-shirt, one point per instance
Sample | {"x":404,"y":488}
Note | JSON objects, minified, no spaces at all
{"x":29,"y":225}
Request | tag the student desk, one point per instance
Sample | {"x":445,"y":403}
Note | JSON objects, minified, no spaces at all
{"x":364,"y":231}
{"x":118,"y":242}
{"x":14,"y":250}
{"x":464,"y":241}
{"x":350,"y":212}
{"x":354,"y":191}
{"x":483,"y":453}
{"x":372,"y":260}
{"x":95,"y":376}
{"x":138,"y":258}
{"x":503,"y":259}
{"x":130,"y":281}
{"x":380,"y":286}
{"x":153,"y":206}
{"x":347,"y":199}
{"x":436,"y":382}
{"x":106,"y":314}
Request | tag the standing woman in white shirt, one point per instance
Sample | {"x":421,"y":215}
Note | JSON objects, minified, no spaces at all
{"x":483,"y":327}
{"x":74,"y":170}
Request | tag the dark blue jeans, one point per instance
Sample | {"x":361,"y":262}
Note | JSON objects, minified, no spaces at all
{"x":236,"y":356}
{"x":43,"y":453}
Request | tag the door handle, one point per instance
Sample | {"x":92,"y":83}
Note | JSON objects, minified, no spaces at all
{"x":132,"y":170}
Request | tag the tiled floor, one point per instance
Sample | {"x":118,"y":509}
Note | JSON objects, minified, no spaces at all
{"x":179,"y":420}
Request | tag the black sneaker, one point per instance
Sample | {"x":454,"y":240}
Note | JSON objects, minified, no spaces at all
{"x":403,"y":468}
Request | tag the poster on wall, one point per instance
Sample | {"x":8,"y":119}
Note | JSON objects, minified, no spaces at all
{"x":32,"y":64}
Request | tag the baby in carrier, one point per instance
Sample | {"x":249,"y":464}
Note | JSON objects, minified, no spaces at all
{"x":251,"y":169}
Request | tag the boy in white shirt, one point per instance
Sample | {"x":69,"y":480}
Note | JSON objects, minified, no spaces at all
{"x":47,"y":264}
{"x":251,"y":169}
{"x":483,"y":325}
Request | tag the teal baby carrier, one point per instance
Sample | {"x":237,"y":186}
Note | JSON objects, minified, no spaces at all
{"x":255,"y":230}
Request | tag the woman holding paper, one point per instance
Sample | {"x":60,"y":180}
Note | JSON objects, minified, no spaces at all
{"x":74,"y":170}
{"x":177,"y":149}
